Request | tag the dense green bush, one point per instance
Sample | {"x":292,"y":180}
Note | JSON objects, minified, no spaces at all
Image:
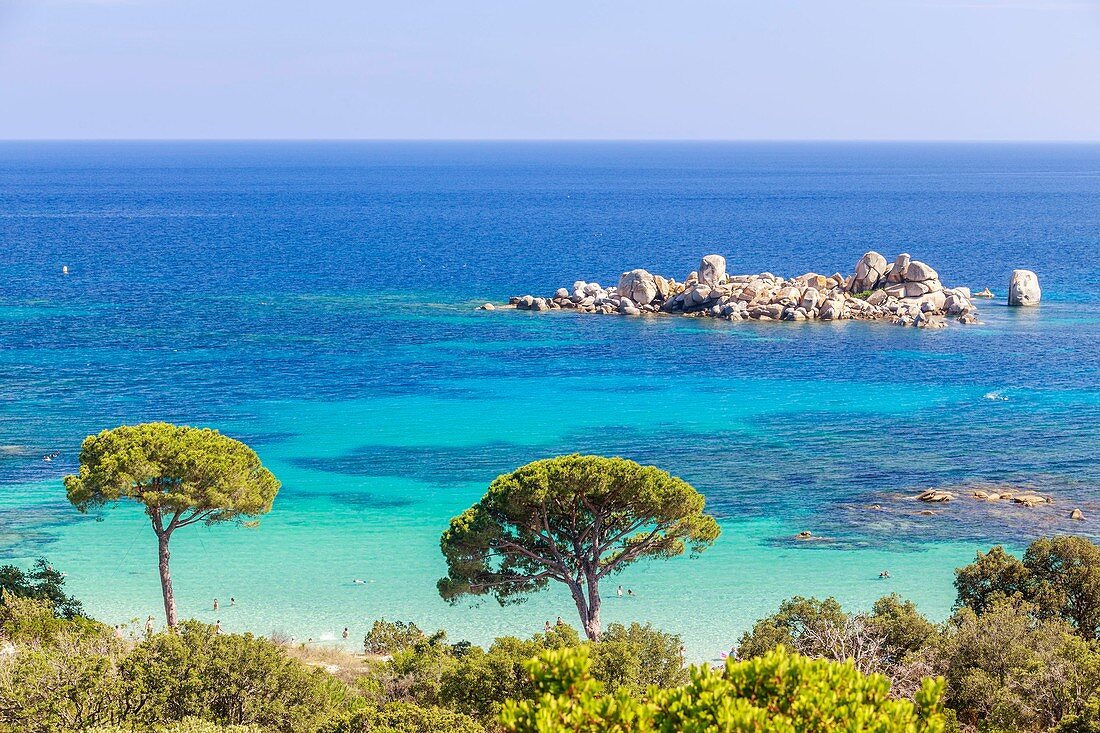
{"x":778,"y":691}
{"x":1005,"y":668}
{"x":1059,"y":577}
{"x":41,"y":582}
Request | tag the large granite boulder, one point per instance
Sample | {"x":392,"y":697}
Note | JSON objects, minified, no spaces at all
{"x":1023,"y":288}
{"x":870,"y":269}
{"x":901,"y":266}
{"x":638,"y":285}
{"x":712,"y":270}
{"x":917,"y":272}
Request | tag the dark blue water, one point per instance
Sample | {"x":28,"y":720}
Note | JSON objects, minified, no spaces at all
{"x":316,"y":300}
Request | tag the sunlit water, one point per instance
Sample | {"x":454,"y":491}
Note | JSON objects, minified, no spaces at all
{"x":316,"y":301}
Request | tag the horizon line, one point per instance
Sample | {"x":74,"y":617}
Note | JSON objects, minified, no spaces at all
{"x":962,"y":141}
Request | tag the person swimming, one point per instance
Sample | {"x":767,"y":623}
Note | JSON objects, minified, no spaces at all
{"x":619,"y":591}
{"x":215,"y":604}
{"x":358,"y":581}
{"x":884,"y":574}
{"x":345,"y":634}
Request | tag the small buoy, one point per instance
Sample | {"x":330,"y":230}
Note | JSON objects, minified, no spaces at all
{"x":64,"y":269}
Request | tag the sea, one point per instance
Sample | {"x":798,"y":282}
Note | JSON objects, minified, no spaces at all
{"x":317,"y":300}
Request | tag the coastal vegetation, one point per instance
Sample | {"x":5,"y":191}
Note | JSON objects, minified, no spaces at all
{"x":180,"y":475}
{"x":574,"y":520}
{"x":1016,"y":656}
{"x":1020,"y":653}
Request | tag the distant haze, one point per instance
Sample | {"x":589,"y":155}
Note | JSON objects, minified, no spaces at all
{"x":637,"y":69}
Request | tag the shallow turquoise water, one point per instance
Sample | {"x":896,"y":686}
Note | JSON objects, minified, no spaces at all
{"x":317,"y":303}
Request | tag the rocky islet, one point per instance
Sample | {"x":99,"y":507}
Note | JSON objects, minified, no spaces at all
{"x":905,"y":291}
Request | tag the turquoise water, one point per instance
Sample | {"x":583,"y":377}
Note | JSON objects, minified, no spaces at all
{"x":317,"y":302}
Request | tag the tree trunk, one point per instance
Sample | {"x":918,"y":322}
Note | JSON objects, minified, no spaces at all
{"x":592,"y":626}
{"x":166,"y":579}
{"x":583,"y":611}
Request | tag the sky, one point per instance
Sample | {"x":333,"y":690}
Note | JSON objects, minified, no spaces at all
{"x":552,"y":69}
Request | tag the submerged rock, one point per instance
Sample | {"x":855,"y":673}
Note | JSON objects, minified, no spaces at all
{"x":935,"y":496}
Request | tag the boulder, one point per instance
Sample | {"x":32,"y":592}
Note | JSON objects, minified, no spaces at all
{"x":987,"y":293}
{"x":919,"y":272}
{"x":638,"y":285}
{"x":664,"y":287}
{"x":487,"y":307}
{"x":712,"y":270}
{"x":561,"y":293}
{"x":870,"y":269}
{"x":1030,"y":500}
{"x":1023,"y":288}
{"x":901,"y":266}
{"x":1076,"y":514}
{"x":935,"y":496}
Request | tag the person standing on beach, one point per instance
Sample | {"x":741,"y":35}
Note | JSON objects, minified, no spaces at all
{"x":149,"y":626}
{"x":218,"y":626}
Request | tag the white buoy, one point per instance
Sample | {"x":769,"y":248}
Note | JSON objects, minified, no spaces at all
{"x":64,"y":269}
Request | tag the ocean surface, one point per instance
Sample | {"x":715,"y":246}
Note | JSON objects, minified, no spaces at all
{"x":316,"y":300}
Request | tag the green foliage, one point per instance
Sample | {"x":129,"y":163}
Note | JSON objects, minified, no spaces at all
{"x":776,"y":692}
{"x":404,"y":717}
{"x":60,"y":675}
{"x":1008,"y":668}
{"x":797,"y":621}
{"x":993,"y":576}
{"x":574,"y":520}
{"x":901,"y":626}
{"x":635,"y":657}
{"x":226,"y":678}
{"x":390,"y":637}
{"x":40,"y":582}
{"x":863,"y":294}
{"x":1059,"y":577}
{"x":187,"y":725}
{"x":189,"y":474}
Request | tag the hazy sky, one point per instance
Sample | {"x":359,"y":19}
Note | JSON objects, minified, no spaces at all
{"x":721,"y":69}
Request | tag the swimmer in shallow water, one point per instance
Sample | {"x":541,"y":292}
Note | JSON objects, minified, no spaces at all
{"x":357,"y":581}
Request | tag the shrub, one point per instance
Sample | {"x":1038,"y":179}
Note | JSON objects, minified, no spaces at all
{"x":778,"y":691}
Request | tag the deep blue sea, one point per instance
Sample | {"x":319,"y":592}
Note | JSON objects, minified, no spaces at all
{"x":317,"y":301}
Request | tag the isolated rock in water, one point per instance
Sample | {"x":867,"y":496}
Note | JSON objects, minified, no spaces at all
{"x":712,"y":270}
{"x":870,"y":269}
{"x":987,"y":293}
{"x":935,"y":496}
{"x":1023,"y":288}
{"x":638,"y":285}
{"x":487,"y":307}
{"x":1076,"y":514}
